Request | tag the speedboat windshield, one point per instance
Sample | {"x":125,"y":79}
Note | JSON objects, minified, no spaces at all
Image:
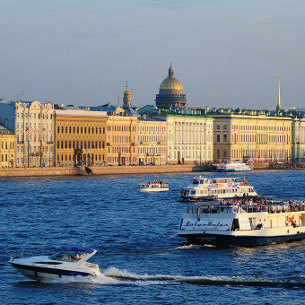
{"x":68,"y":256}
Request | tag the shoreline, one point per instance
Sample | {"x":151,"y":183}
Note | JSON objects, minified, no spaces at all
{"x":118,"y":170}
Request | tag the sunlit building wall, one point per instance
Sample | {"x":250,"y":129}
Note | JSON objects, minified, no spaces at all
{"x":256,"y":137}
{"x":80,"y":138}
{"x":122,"y":140}
{"x":8,"y":143}
{"x":152,"y":138}
{"x":189,"y":138}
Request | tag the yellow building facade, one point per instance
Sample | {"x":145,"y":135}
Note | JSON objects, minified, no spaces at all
{"x":80,"y":138}
{"x":152,"y":138}
{"x":122,"y":140}
{"x":258,"y":137}
{"x":8,"y":144}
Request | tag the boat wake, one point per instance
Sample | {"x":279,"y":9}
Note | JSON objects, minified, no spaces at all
{"x":115,"y":276}
{"x":124,"y":275}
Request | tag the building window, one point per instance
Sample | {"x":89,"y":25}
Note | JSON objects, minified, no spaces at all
{"x":225,"y":138}
{"x":218,"y":138}
{"x":218,"y":127}
{"x":218,"y":154}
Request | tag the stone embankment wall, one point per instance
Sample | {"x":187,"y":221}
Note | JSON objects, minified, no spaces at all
{"x":108,"y":170}
{"x":111,"y":170}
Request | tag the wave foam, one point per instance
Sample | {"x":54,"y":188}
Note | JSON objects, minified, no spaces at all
{"x":115,"y":276}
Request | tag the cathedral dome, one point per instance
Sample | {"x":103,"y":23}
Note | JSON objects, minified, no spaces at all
{"x":171,"y":92}
{"x":171,"y":83}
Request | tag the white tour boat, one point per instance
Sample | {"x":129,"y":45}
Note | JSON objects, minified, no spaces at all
{"x":235,"y":166}
{"x":157,"y":186}
{"x":203,"y":188}
{"x":243,"y":224}
{"x":70,"y":262}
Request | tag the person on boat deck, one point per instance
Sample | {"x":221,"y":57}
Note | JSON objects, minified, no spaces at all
{"x":76,"y":256}
{"x":250,"y":203}
{"x":198,"y":211}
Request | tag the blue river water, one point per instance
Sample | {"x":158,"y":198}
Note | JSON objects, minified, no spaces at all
{"x":136,"y":235}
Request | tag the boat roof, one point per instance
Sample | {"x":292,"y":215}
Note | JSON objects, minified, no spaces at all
{"x":80,"y":249}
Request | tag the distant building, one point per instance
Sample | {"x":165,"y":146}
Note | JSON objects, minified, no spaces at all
{"x":298,"y":139}
{"x":122,"y":140}
{"x":254,"y":135}
{"x":33,"y":124}
{"x":8,"y":144}
{"x":189,"y":138}
{"x":149,"y":110}
{"x":80,"y":138}
{"x":152,"y":138}
{"x":170,"y":92}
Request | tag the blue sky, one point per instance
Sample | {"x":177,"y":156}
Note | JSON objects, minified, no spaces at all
{"x":226,"y":53}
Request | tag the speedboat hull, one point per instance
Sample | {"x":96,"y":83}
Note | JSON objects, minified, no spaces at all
{"x":45,"y":273}
{"x":153,"y":190}
{"x":66,"y":264}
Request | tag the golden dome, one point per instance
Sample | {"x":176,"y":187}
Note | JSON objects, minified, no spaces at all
{"x":171,"y":83}
{"x":127,"y":93}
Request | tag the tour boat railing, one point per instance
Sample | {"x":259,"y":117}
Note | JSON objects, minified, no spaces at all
{"x":273,"y":208}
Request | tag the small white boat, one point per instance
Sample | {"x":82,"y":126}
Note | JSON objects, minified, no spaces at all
{"x":157,"y":186}
{"x":203,"y":188}
{"x":243,"y":223}
{"x":68,"y":263}
{"x":235,"y":166}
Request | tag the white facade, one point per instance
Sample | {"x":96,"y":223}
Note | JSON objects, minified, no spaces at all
{"x":34,"y":127}
{"x":298,"y":138}
{"x":189,"y":139}
{"x":152,"y":138}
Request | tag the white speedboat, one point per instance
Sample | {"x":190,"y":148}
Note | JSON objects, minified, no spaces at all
{"x":157,"y":186}
{"x":68,"y":263}
{"x":243,"y":224}
{"x":203,"y":188}
{"x":235,"y":166}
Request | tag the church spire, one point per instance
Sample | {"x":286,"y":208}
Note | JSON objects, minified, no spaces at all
{"x":171,"y":71}
{"x":127,"y":98}
{"x":279,"y":106}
